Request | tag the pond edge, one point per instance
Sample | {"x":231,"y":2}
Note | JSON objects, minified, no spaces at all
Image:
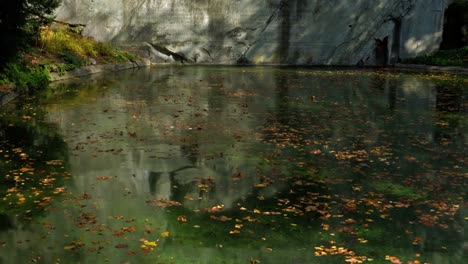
{"x":93,"y":69}
{"x":430,"y":68}
{"x":8,"y":95}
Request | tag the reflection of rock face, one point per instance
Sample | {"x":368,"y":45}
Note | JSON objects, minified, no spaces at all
{"x":174,"y":144}
{"x":273,"y":31}
{"x":209,"y":182}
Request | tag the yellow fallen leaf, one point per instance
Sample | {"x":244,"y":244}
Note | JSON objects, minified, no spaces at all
{"x":151,"y":243}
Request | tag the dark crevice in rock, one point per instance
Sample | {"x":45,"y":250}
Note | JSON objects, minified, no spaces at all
{"x":381,"y":51}
{"x":238,"y":31}
{"x":301,"y":6}
{"x":455,"y":34}
{"x":176,"y":56}
{"x":395,"y":50}
{"x":209,"y":53}
{"x":285,"y":33}
{"x":274,"y":15}
{"x":243,"y":60}
{"x":356,"y":43}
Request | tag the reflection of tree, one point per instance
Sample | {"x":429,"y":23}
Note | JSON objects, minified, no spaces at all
{"x":392,"y":97}
{"x":155,"y":177}
{"x":282,"y":100}
{"x":33,"y":161}
{"x":381,"y":51}
{"x":449,"y":107}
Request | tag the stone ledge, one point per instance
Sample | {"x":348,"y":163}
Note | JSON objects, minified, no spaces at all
{"x":420,"y":67}
{"x":6,"y":97}
{"x":92,"y":69}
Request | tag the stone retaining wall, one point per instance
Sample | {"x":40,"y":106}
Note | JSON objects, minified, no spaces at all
{"x":92,"y":69}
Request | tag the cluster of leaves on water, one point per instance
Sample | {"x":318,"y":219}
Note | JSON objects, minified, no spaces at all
{"x":33,"y":163}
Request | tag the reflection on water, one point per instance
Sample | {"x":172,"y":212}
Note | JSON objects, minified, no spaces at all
{"x":252,"y":165}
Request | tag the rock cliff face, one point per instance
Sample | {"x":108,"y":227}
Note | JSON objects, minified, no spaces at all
{"x":339,"y":32}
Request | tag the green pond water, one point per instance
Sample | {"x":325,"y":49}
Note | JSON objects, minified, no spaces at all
{"x":237,"y":165}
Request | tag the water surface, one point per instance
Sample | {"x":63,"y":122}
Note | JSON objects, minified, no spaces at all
{"x":237,"y":165}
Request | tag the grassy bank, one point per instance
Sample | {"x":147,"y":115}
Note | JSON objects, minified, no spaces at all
{"x":455,"y":57}
{"x":59,"y":48}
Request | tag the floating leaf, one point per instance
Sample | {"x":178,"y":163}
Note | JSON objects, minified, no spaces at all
{"x":182,"y":218}
{"x":163,"y":203}
{"x":104,"y":178}
{"x":121,"y":246}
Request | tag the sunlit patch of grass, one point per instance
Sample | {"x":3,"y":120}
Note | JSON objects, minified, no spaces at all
{"x":62,"y":42}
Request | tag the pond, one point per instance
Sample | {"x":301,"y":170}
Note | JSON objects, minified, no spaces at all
{"x":205,"y":164}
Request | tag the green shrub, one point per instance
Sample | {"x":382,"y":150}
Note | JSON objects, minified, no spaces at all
{"x":59,"y":49}
{"x":75,"y":48}
{"x":71,"y":58}
{"x":61,"y":40}
{"x":26,"y":78}
{"x":456,"y":57}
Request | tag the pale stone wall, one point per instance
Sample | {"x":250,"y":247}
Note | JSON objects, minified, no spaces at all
{"x":267,"y":31}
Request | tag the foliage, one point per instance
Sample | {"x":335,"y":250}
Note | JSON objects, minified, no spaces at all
{"x":25,"y":77}
{"x":59,"y":49}
{"x":460,"y":4}
{"x":30,"y":48}
{"x":20,"y":21}
{"x":73,"y":48}
{"x":455,"y":57}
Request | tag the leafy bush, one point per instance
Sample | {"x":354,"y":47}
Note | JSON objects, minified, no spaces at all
{"x":75,"y":48}
{"x":59,"y":49}
{"x":72,"y":59}
{"x":25,"y":78}
{"x":60,"y":40}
